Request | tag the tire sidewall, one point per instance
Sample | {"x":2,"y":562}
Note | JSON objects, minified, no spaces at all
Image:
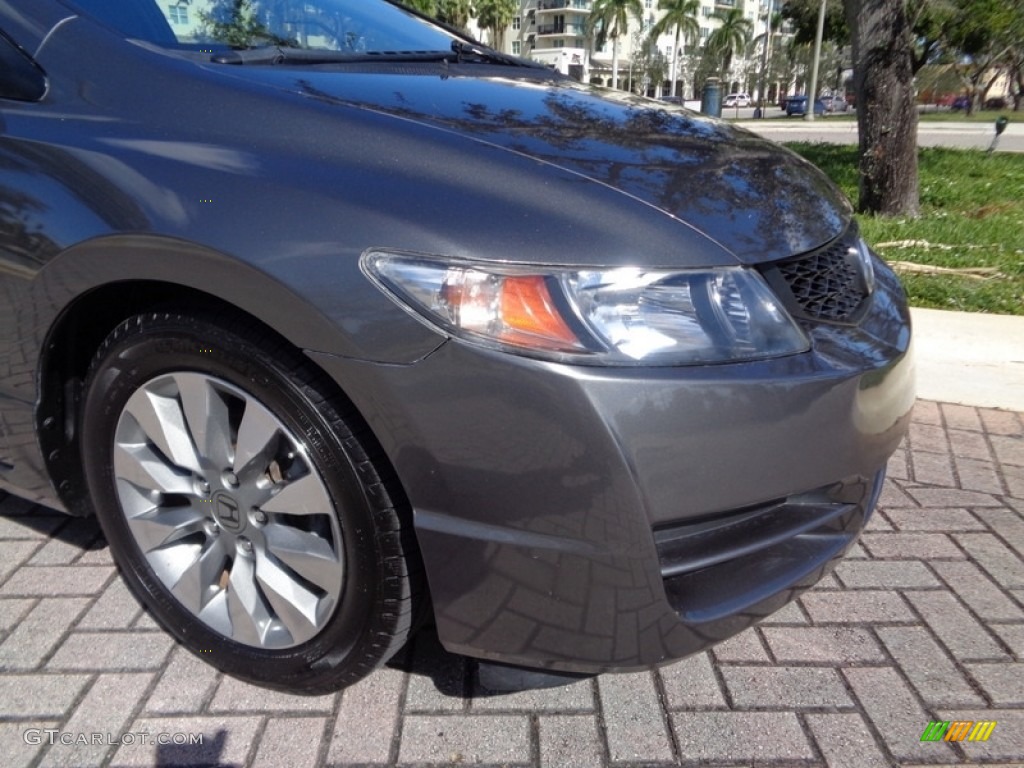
{"x":150,"y":349}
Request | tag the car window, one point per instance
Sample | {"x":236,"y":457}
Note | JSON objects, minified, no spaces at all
{"x":336,"y":25}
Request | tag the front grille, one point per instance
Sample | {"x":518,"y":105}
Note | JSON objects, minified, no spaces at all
{"x":825,"y":285}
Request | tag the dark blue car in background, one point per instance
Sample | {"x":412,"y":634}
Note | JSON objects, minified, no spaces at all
{"x":797,"y":105}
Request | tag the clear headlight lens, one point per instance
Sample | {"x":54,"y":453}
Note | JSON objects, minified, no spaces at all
{"x":623,"y":316}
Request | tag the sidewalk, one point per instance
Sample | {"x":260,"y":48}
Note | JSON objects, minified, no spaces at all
{"x":959,"y":135}
{"x":923,"y":621}
{"x":970,"y":358}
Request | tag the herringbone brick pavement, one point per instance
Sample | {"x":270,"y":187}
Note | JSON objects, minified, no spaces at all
{"x":924,"y":621}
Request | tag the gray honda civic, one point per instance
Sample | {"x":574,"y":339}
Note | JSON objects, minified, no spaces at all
{"x":339,"y":321}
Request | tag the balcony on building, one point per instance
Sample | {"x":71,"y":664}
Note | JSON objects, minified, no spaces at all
{"x":563,"y":28}
{"x":545,"y":6}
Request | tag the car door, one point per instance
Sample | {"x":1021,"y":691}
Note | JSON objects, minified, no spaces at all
{"x":25,"y":240}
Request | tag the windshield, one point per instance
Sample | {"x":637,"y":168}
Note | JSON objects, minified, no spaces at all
{"x":352,"y":26}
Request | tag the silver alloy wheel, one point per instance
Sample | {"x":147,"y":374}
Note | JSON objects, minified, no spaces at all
{"x":228,"y":510}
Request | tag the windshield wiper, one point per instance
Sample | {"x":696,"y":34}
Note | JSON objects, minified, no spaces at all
{"x":275,"y":54}
{"x":481,"y":53}
{"x":459,"y":53}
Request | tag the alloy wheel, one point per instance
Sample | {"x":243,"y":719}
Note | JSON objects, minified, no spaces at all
{"x":228,"y":510}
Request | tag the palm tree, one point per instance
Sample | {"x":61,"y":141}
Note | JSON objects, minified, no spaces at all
{"x":427,"y":7}
{"x":681,"y":15}
{"x":236,"y":23}
{"x":611,"y":18}
{"x":732,"y":36}
{"x":455,"y":12}
{"x":495,"y":16}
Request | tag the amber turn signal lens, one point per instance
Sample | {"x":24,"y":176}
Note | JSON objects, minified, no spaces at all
{"x":527,"y":308}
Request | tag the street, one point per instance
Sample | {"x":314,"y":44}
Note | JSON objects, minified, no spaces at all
{"x":842,"y":129}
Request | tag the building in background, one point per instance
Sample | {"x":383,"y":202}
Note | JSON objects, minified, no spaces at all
{"x":557,"y":33}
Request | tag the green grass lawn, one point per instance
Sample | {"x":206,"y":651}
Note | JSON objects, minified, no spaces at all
{"x":972,"y":218}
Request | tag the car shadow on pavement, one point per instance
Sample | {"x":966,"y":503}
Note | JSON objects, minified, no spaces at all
{"x":437,"y":675}
{"x":66,"y":540}
{"x":449,"y":674}
{"x":33,"y":518}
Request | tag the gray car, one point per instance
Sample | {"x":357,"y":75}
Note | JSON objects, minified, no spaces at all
{"x":835,"y":103}
{"x":339,"y":321}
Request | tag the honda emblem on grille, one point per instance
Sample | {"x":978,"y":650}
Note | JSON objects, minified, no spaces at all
{"x":859,"y":258}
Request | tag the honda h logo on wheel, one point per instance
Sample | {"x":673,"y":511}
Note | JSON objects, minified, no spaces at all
{"x":226,"y":510}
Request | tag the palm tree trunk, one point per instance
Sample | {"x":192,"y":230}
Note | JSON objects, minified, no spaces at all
{"x":675,"y":63}
{"x":615,"y":62}
{"x":886,"y":115}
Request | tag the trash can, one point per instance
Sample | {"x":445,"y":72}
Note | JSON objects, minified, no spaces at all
{"x":711,"y":98}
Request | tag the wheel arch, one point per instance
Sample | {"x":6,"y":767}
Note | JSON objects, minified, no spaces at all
{"x":64,"y":361}
{"x":92,"y":287}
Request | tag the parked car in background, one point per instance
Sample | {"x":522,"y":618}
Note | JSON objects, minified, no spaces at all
{"x":997,"y":102}
{"x":797,"y":105}
{"x":335,"y":318}
{"x":737,"y":100}
{"x":834,"y":103}
{"x":961,"y":102}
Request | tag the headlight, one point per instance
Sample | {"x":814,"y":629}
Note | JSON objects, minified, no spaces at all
{"x":624,"y":316}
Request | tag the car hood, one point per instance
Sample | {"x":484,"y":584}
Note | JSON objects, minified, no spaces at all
{"x":752,"y":197}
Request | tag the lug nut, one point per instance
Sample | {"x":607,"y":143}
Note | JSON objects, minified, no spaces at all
{"x":245,"y":544}
{"x":230,"y":478}
{"x":259,"y":517}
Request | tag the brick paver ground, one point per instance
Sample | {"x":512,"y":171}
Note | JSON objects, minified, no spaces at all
{"x":924,"y":621}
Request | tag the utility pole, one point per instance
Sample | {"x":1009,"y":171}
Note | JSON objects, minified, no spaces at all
{"x":813,"y":92}
{"x":764,"y":59}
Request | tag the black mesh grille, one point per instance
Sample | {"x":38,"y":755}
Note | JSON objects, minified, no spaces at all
{"x":827,"y":284}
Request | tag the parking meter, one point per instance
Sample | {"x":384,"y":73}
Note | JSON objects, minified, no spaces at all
{"x":1001,"y":123}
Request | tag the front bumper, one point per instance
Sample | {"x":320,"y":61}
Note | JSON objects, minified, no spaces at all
{"x":598,"y":519}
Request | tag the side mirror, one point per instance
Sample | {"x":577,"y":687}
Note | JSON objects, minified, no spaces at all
{"x":20,"y":77}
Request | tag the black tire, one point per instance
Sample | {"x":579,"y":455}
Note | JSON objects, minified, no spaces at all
{"x":376,"y":561}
